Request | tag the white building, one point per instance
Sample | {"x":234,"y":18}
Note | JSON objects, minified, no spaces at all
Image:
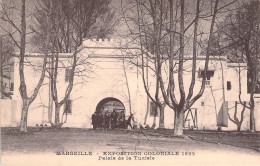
{"x":106,"y":72}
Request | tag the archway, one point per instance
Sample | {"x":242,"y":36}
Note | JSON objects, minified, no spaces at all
{"x":105,"y":96}
{"x":109,"y":105}
{"x":110,"y":113}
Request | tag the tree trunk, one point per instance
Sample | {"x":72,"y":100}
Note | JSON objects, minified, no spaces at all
{"x":238,"y":127}
{"x":23,"y":123}
{"x":57,"y":114}
{"x":161,"y":121}
{"x":128,"y":89}
{"x":252,"y":72}
{"x":154,"y":119}
{"x":252,"y":119}
{"x":147,"y":96}
{"x":22,"y":88}
{"x":178,"y":122}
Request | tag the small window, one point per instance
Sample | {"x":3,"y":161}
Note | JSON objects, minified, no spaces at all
{"x":207,"y":82}
{"x":153,"y":109}
{"x":209,"y":74}
{"x":202,"y":103}
{"x":12,"y":87}
{"x":67,"y":75}
{"x":68,"y":107}
{"x":228,"y":85}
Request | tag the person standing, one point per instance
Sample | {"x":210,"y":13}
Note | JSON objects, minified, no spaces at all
{"x":128,"y":122}
{"x":94,"y":120}
{"x":107,"y":120}
{"x":122,"y":119}
{"x":113,"y":119}
{"x":100,"y":120}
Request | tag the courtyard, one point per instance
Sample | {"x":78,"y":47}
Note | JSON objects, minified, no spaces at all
{"x":68,"y":146}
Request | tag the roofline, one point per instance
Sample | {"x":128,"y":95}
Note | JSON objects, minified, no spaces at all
{"x":124,"y":48}
{"x":70,"y":55}
{"x":237,"y":64}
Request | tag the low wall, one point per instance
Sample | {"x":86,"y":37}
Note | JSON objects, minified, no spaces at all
{"x":10,"y":117}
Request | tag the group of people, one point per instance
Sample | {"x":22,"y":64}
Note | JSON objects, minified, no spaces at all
{"x":113,"y":120}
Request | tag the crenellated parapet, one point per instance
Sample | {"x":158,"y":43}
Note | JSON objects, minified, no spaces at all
{"x":108,"y":48}
{"x":97,"y":42}
{"x":108,"y":43}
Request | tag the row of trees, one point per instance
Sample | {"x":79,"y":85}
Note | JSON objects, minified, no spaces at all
{"x":240,"y":34}
{"x":165,"y":31}
{"x":54,"y":27}
{"x":168,"y":30}
{"x":69,"y":22}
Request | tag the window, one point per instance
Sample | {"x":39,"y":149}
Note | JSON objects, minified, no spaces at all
{"x":202,"y":103}
{"x":228,"y":85}
{"x":207,"y":82}
{"x":67,"y":75}
{"x":153,"y":108}
{"x":209,"y":74}
{"x":12,"y":87}
{"x":68,"y":107}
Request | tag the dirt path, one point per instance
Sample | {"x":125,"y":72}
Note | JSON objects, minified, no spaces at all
{"x":44,"y":145}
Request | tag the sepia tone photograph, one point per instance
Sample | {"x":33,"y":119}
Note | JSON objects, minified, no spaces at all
{"x":129,"y":82}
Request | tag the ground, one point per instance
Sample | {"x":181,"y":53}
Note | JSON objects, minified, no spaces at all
{"x":196,"y":147}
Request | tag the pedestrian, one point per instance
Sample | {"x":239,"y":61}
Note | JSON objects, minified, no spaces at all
{"x":94,"y":120}
{"x":107,"y":120}
{"x":122,"y":119}
{"x":128,"y":122}
{"x":113,"y":119}
{"x":100,"y":120}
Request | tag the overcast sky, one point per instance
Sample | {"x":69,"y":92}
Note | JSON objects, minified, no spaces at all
{"x":116,"y":4}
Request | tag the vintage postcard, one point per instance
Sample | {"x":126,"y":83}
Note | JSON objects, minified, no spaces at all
{"x":130,"y":82}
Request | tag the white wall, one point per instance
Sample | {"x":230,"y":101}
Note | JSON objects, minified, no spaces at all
{"x":10,"y":116}
{"x":103,"y":77}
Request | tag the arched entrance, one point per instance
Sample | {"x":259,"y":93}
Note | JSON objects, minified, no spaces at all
{"x":109,"y":105}
{"x":99,"y":103}
{"x":110,"y":113}
{"x":109,"y":95}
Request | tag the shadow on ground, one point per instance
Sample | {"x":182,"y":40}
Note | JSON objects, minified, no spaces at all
{"x":243,"y":139}
{"x":53,"y":139}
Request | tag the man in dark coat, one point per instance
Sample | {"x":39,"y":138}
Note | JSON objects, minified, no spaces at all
{"x":113,"y":119}
{"x":94,"y":120}
{"x":99,"y":120}
{"x":122,"y":119}
{"x":107,"y":120}
{"x":128,"y":122}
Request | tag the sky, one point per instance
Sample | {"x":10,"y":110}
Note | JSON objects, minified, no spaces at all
{"x":116,"y":4}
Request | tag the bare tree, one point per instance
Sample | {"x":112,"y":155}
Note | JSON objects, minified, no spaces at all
{"x":127,"y":85}
{"x":168,"y":39}
{"x":21,"y":44}
{"x":241,"y":36}
{"x":235,"y":119}
{"x":146,"y":16}
{"x":81,"y":19}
